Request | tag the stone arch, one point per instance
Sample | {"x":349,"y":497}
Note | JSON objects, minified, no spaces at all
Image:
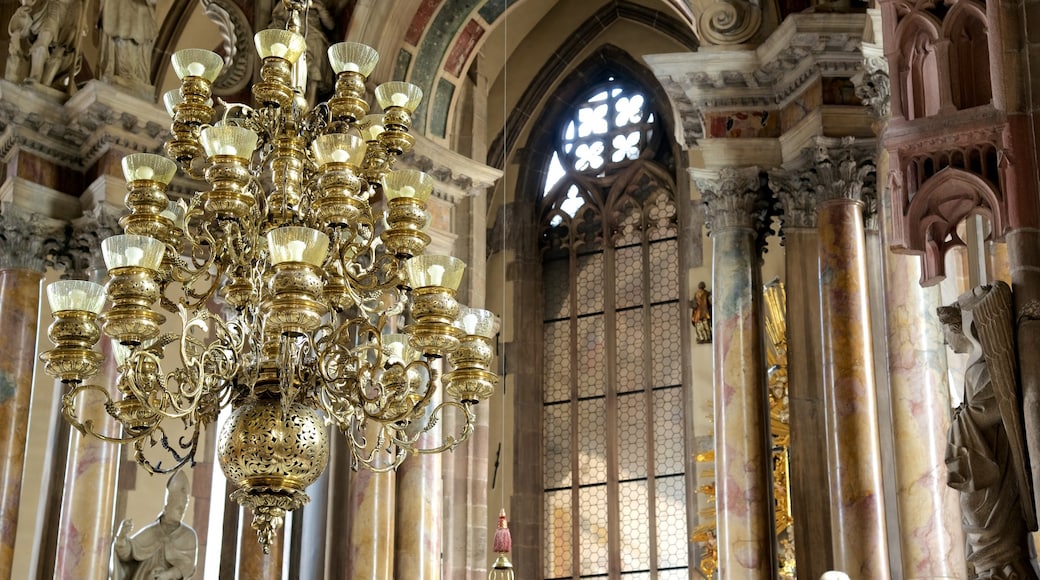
{"x":969,"y":64}
{"x":939,"y":206}
{"x":919,"y":67}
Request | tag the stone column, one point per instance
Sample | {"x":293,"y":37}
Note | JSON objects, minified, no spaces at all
{"x":86,"y":525}
{"x":21,"y":278}
{"x":253,"y":563}
{"x":370,"y":525}
{"x":858,"y":522}
{"x":419,"y":510}
{"x":737,"y":215}
{"x":808,"y":474}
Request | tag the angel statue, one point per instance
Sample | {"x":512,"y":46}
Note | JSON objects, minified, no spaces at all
{"x":986,"y":450}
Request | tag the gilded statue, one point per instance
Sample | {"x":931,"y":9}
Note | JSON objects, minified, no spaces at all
{"x":986,"y":451}
{"x":163,"y":550}
{"x":702,"y":314}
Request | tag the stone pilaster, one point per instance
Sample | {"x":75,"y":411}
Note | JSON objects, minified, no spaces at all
{"x":738,"y":214}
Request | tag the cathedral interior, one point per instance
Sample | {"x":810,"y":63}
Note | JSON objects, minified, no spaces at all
{"x":238,"y":340}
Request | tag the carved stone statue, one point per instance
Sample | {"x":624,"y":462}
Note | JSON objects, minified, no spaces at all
{"x":985,"y":452}
{"x":43,"y":46}
{"x":128,"y":32}
{"x":702,"y":314}
{"x":163,"y":550}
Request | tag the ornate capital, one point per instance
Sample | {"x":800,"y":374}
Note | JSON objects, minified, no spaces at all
{"x":841,"y":169}
{"x":873,"y":86}
{"x":735,"y":198}
{"x":729,"y":22}
{"x":796,"y":196}
{"x":82,"y":254}
{"x":27,"y":239}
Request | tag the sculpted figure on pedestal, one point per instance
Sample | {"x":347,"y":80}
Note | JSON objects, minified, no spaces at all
{"x":128,"y":32}
{"x":43,"y":41}
{"x":985,"y":453}
{"x":163,"y":550}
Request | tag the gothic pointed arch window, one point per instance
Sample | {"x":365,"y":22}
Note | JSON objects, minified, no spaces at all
{"x":614,"y":426}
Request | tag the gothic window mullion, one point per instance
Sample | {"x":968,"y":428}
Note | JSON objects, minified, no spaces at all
{"x":648,"y":393}
{"x":575,"y":424}
{"x":614,"y":515}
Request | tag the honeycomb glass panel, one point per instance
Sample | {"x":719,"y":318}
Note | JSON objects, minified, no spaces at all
{"x":558,"y":540}
{"x":632,"y":428}
{"x":668,"y":421}
{"x":590,"y":283}
{"x":556,"y":361}
{"x":631,"y":351}
{"x":661,"y":216}
{"x":664,"y":271}
{"x":667,"y":357}
{"x":680,"y":574}
{"x":591,"y":353}
{"x":635,"y":575}
{"x":629,"y":276}
{"x":628,"y":229}
{"x":593,"y":534}
{"x":556,"y":441}
{"x":634,"y":509}
{"x":556,"y":289}
{"x":592,"y":441}
{"x":671,"y":522}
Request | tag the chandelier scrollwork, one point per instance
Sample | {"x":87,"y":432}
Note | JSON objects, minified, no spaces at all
{"x":299,"y":279}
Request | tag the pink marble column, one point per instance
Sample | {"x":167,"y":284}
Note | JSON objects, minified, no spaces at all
{"x":19,"y":313}
{"x":370,"y":526}
{"x":931,"y":536}
{"x":856,"y":493}
{"x":88,"y":504}
{"x":253,"y":563}
{"x":419,"y":507}
{"x":743,"y":482}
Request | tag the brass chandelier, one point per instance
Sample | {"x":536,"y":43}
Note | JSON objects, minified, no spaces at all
{"x":302,"y":300}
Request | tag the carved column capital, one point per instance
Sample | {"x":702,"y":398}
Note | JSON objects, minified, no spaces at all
{"x":798,"y":199}
{"x":82,"y":254}
{"x":736,"y":198}
{"x":729,"y":22}
{"x":842,"y":169}
{"x":27,"y":239}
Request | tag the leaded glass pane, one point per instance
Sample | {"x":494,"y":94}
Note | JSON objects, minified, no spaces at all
{"x":635,"y":575}
{"x":629,"y":231}
{"x":661,"y":217}
{"x":556,"y":443}
{"x":631,"y":351}
{"x":669,"y":451}
{"x":666,"y":354}
{"x":592,"y":505}
{"x":556,"y":289}
{"x":556,"y":363}
{"x":634,"y":507}
{"x":672,"y":542}
{"x":629,"y":276}
{"x":559,"y":545}
{"x":591,"y":364}
{"x":592,"y":441}
{"x":664,"y":271}
{"x":590,"y":283}
{"x":632,"y":428}
{"x":682,"y":574}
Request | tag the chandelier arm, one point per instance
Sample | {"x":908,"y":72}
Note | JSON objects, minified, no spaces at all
{"x":179,"y":461}
{"x":450,"y":441}
{"x":86,"y":427}
{"x":376,"y":458}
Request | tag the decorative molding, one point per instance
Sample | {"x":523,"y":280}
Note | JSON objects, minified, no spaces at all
{"x":729,"y":22}
{"x":873,"y":85}
{"x":457,"y":176}
{"x":27,"y":239}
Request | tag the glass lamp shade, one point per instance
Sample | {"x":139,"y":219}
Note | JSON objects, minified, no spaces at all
{"x":339,"y":148}
{"x":353,"y":57}
{"x":476,"y":321}
{"x":148,"y":166}
{"x":397,"y":349}
{"x":175,"y":212}
{"x":407,"y":183}
{"x":197,"y":62}
{"x":281,"y":43}
{"x":171,"y":99}
{"x":502,"y":569}
{"x":443,"y":271}
{"x":371,"y":127}
{"x":297,"y":244}
{"x":398,"y":94}
{"x":76,"y":295}
{"x":228,"y":140}
{"x":129,"y":250}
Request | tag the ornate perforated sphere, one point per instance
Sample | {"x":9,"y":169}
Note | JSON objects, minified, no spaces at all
{"x":263,"y":446}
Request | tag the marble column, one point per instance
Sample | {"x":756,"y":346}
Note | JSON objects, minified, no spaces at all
{"x":253,"y":563}
{"x":737,"y":215}
{"x":808,"y":475}
{"x":419,"y":509}
{"x":21,"y":281}
{"x":858,"y":520}
{"x":370,"y":525}
{"x":86,"y":524}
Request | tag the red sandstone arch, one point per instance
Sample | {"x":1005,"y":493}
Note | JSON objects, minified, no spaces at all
{"x":969,"y":60}
{"x":941,"y":203}
{"x":920,"y":69}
